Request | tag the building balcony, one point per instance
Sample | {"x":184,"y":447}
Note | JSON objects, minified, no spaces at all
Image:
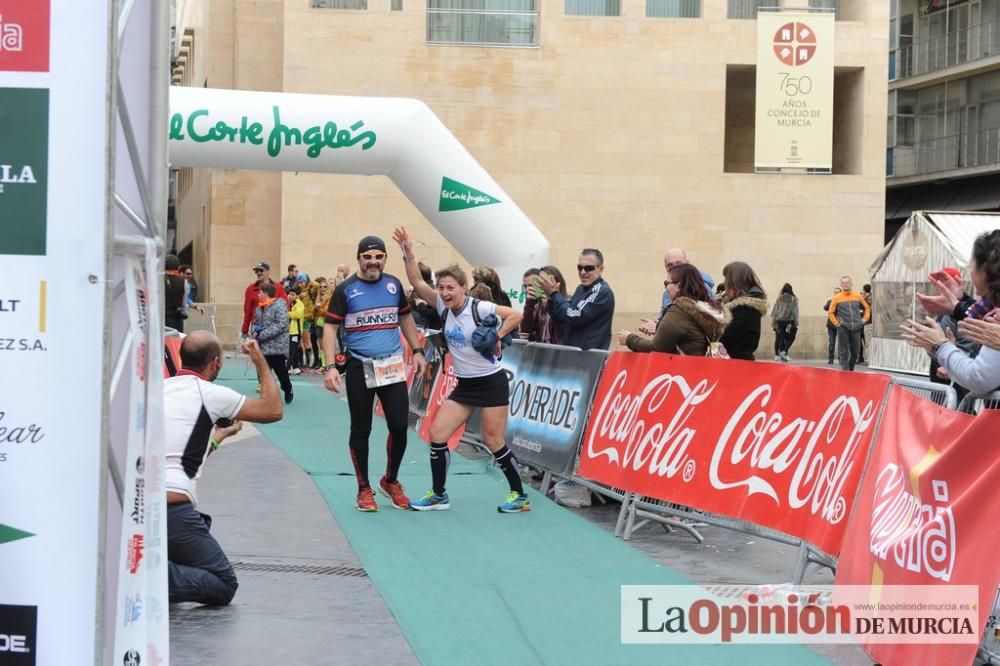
{"x":938,"y":54}
{"x":957,"y":156}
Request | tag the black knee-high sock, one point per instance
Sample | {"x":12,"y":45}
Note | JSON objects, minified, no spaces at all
{"x":440,"y":459}
{"x":508,"y":463}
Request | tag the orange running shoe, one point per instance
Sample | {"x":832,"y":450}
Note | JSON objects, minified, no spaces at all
{"x":366,"y":500}
{"x":394,"y":491}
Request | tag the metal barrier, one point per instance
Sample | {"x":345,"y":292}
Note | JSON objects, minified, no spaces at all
{"x":940,"y":394}
{"x":973,"y":404}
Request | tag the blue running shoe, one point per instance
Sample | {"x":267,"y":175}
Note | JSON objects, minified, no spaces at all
{"x":515,"y":503}
{"x":431,"y":502}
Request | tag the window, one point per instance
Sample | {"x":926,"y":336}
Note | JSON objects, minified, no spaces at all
{"x":340,"y":4}
{"x":593,"y":8}
{"x":742,"y":9}
{"x":396,"y":5}
{"x":673,"y":8}
{"x":482,"y":22}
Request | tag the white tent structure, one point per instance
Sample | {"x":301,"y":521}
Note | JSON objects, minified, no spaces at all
{"x":928,"y":241}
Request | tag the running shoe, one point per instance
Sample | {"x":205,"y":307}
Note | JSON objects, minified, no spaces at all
{"x":515,"y":503}
{"x":366,"y":500}
{"x":295,"y":371}
{"x":394,"y":491}
{"x":431,"y":502}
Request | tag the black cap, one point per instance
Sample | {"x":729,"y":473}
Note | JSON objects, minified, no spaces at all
{"x":371,"y":243}
{"x":262,"y":266}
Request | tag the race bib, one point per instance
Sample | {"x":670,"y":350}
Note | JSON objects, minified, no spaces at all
{"x":384,"y":371}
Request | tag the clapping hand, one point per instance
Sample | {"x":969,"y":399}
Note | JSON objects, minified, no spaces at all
{"x":648,"y":327}
{"x":949,"y":290}
{"x":926,"y":335}
{"x":985,"y":331}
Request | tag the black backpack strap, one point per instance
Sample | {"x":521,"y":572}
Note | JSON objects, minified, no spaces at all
{"x":475,"y":313}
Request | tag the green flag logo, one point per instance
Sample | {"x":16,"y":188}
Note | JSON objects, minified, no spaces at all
{"x":8,"y":533}
{"x":457,"y":196}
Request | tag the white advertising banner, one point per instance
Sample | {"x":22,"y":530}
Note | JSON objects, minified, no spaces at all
{"x":141,"y":619}
{"x":794,"y":108}
{"x":399,"y":138}
{"x":53,"y":193}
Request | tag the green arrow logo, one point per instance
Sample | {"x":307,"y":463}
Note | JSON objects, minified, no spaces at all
{"x":8,"y":533}
{"x":458,"y":196}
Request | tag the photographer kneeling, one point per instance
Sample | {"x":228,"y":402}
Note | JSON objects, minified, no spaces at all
{"x":193,"y":406}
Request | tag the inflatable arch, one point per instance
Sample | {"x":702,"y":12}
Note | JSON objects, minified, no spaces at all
{"x":398,"y":138}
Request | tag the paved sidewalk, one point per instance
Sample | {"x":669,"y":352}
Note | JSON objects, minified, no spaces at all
{"x":303,"y":596}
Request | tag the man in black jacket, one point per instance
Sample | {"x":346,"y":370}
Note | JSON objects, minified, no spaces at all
{"x":587,"y":314}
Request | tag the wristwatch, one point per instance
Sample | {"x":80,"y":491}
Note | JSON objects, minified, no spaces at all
{"x":936,"y":347}
{"x":419,"y":351}
{"x":329,"y":367}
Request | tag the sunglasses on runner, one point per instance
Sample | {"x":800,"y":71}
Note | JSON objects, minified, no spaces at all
{"x":374,"y":256}
{"x":580,"y":268}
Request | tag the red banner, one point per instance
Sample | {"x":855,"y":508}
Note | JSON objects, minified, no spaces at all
{"x":444,"y":383}
{"x":925,"y":514}
{"x":775,"y":445}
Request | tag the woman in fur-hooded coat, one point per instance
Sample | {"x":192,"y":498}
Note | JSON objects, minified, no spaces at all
{"x":689,"y":323}
{"x":746,"y":303}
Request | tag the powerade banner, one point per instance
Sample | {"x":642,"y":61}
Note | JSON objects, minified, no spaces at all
{"x":420,"y":387}
{"x":550,"y":392}
{"x":777,"y":446}
{"x":926,"y":515}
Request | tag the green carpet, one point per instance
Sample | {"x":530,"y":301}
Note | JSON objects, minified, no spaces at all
{"x":470,"y":585}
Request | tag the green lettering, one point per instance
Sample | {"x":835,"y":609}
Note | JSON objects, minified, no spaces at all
{"x":177,"y":127}
{"x":313,"y":138}
{"x":197,"y":138}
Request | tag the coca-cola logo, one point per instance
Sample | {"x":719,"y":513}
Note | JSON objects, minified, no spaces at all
{"x":633,"y":422}
{"x":819,"y":453}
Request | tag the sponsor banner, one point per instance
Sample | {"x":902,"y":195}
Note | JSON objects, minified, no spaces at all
{"x":54,"y":66}
{"x":24,"y":148}
{"x":24,"y":36}
{"x":141,"y":593}
{"x":777,"y":446}
{"x":18,"y":635}
{"x":770,"y":614}
{"x":794,"y":101}
{"x":420,"y":387}
{"x":925,"y":515}
{"x":444,"y":383}
{"x":551,"y":389}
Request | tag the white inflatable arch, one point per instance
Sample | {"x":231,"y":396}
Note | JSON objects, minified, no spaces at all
{"x":398,"y":138}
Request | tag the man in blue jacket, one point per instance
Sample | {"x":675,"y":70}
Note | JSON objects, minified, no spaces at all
{"x":587,"y":314}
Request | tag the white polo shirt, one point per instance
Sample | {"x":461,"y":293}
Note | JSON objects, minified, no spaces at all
{"x":191,"y":406}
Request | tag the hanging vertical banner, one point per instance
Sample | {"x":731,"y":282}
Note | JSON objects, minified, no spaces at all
{"x":53,"y":219}
{"x":794,"y":111}
{"x":142,"y":594}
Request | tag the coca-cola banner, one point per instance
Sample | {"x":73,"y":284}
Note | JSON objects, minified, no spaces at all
{"x":775,"y":445}
{"x":551,"y":389}
{"x":926,"y":514}
{"x":444,"y":383}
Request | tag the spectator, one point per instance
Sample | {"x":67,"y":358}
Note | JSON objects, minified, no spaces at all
{"x":538,"y":325}
{"x":296,"y":312}
{"x":321,"y":305}
{"x":291,"y":279}
{"x":263,"y":273}
{"x":849,"y":320}
{"x":192,"y":285}
{"x":174,"y":294}
{"x":424,"y":315}
{"x":343,"y":272}
{"x":746,"y":302}
{"x":691,"y":321}
{"x":785,"y":322}
{"x":866,"y":293}
{"x":270,"y":330}
{"x":831,"y":330}
{"x":981,"y":374}
{"x":675,"y":256}
{"x":487,"y":276}
{"x":307,"y":288}
{"x":587,"y":315}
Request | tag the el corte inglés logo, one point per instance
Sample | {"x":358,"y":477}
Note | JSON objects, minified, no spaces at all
{"x":458,"y":196}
